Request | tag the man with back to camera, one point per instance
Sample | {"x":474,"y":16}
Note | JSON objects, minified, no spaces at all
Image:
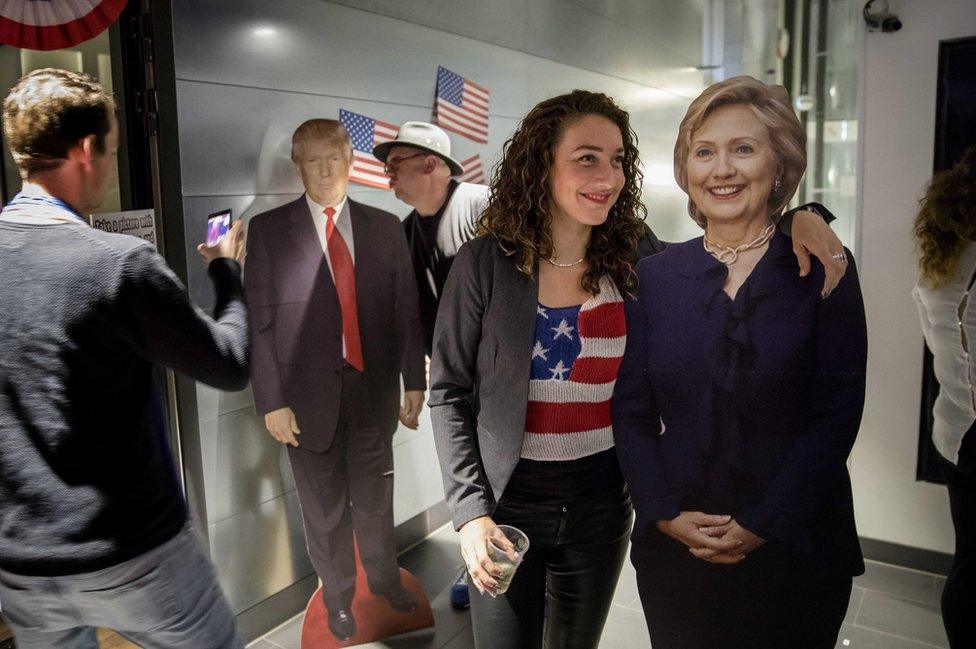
{"x":335,"y":321}
{"x":93,"y":526}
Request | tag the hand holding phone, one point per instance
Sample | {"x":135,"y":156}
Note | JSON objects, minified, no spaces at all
{"x":224,"y":238}
{"x":218,"y":225}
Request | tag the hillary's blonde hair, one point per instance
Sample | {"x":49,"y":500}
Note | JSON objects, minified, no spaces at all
{"x":771,"y":105}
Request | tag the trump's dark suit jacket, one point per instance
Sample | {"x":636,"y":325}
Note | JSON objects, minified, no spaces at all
{"x":296,"y":322}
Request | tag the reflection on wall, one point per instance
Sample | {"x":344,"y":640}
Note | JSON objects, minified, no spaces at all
{"x":249,"y":71}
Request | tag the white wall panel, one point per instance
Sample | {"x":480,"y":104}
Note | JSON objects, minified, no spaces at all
{"x":325,"y":49}
{"x":260,"y":551}
{"x":608,"y":36}
{"x":418,"y":477}
{"x":242,"y":136}
{"x":898,"y":140}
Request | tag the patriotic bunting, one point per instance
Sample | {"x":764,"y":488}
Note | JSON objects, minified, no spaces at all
{"x":55,"y":24}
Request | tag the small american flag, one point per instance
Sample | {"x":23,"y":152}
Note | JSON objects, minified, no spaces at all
{"x":365,"y":133}
{"x":462,"y":106}
{"x":473,"y":171}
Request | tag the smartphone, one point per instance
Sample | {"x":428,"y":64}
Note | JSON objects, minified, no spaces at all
{"x":218,"y":224}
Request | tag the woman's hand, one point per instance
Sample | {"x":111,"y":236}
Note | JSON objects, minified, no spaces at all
{"x":812,"y":236}
{"x":474,"y":551}
{"x":688,"y":528}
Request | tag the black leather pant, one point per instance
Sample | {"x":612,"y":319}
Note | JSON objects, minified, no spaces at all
{"x":561,"y":594}
{"x":959,"y":594}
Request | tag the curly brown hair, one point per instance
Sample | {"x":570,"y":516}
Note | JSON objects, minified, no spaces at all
{"x":518,"y":212}
{"x":947,"y":220}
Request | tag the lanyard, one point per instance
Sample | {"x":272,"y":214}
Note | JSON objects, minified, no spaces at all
{"x":40,"y":206}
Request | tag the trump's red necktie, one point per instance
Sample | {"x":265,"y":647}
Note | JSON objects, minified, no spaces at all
{"x":343,"y":273}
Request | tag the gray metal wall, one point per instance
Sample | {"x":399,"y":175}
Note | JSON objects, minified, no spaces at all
{"x":249,"y":71}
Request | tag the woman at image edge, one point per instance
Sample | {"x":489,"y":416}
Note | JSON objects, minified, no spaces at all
{"x":945,"y":230}
{"x":528,"y":340}
{"x":739,"y":398}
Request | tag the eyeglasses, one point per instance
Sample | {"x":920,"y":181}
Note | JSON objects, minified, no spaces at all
{"x":392,"y":165}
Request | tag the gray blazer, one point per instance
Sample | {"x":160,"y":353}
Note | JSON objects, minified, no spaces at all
{"x":479,"y":373}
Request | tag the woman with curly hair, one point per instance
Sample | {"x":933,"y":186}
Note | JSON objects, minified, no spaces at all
{"x":945,"y":231}
{"x":528,"y":339}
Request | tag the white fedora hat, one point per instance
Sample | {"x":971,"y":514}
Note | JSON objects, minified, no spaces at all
{"x":423,"y":136}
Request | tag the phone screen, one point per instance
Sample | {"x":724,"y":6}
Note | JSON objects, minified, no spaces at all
{"x":218,"y":224}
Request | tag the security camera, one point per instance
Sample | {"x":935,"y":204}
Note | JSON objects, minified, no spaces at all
{"x":884,"y":20}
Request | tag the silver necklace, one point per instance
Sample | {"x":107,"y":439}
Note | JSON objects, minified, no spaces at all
{"x":729,"y":255}
{"x":552,"y":260}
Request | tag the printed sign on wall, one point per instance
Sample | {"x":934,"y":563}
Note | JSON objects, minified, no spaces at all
{"x":137,"y":223}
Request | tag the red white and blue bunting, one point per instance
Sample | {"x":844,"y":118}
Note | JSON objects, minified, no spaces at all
{"x":55,"y":24}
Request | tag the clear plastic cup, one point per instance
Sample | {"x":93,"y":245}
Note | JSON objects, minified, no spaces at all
{"x":507,"y":546}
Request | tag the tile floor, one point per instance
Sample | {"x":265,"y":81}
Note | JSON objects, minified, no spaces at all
{"x":891,"y":608}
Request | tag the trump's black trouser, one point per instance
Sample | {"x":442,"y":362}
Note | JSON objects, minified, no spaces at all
{"x":349,"y":488}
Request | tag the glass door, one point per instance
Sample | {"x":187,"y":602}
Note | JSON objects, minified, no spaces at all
{"x":93,"y":58}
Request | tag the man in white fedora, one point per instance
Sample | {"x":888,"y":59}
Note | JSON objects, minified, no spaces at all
{"x":445,"y":211}
{"x":445,"y":214}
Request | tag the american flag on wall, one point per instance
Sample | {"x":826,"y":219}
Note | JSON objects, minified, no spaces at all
{"x":473,"y":171}
{"x":462,"y":106}
{"x":365,"y":133}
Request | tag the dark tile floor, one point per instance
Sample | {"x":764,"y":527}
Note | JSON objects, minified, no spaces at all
{"x":891,"y":608}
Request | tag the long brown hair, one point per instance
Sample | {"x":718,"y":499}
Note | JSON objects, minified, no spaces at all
{"x":947,"y":219}
{"x":518,"y":213}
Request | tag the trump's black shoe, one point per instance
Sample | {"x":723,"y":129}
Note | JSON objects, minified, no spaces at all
{"x":341,"y":623}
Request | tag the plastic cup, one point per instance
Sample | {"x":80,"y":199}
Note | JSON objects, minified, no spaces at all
{"x":507,"y":546}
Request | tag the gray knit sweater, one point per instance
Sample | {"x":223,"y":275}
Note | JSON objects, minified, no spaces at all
{"x":86,"y":474}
